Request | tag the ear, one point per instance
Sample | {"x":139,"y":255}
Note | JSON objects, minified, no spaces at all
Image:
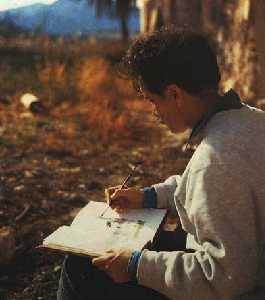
{"x":174,"y":93}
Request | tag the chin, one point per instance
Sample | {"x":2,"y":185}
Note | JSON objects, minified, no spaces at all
{"x":160,"y":121}
{"x":178,"y":130}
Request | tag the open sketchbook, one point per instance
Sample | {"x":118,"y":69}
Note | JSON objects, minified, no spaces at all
{"x":98,"y":228}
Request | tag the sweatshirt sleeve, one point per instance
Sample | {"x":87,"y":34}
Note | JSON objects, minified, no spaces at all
{"x":219,"y":203}
{"x":165,"y":193}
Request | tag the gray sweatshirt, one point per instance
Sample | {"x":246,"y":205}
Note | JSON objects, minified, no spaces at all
{"x":220,"y":199}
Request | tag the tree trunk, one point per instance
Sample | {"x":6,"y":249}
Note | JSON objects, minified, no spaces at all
{"x":259,"y":15}
{"x":124,"y":28}
{"x":169,"y":12}
{"x":236,"y":41}
{"x":123,"y":8}
{"x":149,"y":15}
{"x":232,"y":28}
{"x":176,"y":12}
{"x":182,"y":13}
{"x":212,"y":14}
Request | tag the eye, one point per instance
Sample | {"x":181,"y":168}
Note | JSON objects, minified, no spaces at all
{"x":150,"y":100}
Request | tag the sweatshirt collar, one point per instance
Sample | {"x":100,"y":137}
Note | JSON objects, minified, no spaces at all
{"x":230,"y":100}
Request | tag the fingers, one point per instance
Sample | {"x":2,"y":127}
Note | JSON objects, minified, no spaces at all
{"x":119,"y":210}
{"x":119,"y":196}
{"x":109,"y":192}
{"x":104,"y":261}
{"x":116,"y":197}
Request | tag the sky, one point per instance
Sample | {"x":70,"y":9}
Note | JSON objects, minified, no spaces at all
{"x":9,"y":4}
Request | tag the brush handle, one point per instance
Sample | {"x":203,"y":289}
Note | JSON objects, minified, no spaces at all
{"x":127,"y":178}
{"x":125,"y":181}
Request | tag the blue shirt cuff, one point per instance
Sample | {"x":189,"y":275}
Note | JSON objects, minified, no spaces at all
{"x":133,"y":264}
{"x":150,"y":197}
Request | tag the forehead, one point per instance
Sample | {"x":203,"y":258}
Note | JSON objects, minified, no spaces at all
{"x":153,"y":98}
{"x":144,"y":91}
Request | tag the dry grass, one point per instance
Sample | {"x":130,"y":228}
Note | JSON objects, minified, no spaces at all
{"x":78,"y":77}
{"x":104,"y":95}
{"x":71,"y":77}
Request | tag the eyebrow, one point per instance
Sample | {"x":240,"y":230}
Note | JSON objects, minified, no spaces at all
{"x":150,"y":99}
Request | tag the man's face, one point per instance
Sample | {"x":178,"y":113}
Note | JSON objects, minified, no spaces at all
{"x":166,"y":108}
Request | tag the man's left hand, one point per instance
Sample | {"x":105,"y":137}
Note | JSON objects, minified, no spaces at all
{"x":115,"y":263}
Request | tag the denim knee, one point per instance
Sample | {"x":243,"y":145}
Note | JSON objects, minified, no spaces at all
{"x":75,"y":271}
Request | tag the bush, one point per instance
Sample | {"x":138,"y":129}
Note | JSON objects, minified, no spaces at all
{"x":104,"y":94}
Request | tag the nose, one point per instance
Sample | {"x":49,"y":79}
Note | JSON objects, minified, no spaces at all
{"x":155,"y":113}
{"x":157,"y":116}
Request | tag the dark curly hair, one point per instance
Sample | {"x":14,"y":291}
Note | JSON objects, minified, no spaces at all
{"x":172,"y":56}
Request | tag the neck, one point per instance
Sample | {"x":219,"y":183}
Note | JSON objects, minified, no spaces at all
{"x":199,"y":105}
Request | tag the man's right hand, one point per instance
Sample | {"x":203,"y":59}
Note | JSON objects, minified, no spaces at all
{"x":125,"y":198}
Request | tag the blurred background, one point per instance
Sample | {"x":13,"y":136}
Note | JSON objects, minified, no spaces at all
{"x":69,"y":126}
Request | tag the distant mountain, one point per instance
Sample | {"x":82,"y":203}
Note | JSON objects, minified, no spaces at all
{"x":67,"y":17}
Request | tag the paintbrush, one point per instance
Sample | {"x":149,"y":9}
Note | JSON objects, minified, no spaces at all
{"x":124,"y":183}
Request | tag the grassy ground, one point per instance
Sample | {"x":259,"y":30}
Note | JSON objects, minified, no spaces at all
{"x":56,"y":180}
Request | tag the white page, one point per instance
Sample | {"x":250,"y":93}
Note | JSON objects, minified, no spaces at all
{"x":99,"y":241}
{"x":151,"y":217}
{"x":66,"y":236}
{"x":95,"y":232}
{"x":92,"y":212}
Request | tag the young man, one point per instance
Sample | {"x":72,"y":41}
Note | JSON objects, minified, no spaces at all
{"x":220,"y":197}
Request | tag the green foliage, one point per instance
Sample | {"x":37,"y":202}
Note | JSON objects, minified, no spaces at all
{"x":122,"y":7}
{"x":119,"y":8}
{"x":18,"y":71}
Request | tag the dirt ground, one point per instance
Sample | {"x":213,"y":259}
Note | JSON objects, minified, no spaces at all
{"x":52,"y":165}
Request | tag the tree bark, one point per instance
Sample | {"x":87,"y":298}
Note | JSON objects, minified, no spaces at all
{"x":259,"y":15}
{"x":184,"y":13}
{"x":212,"y":14}
{"x":149,"y":15}
{"x":236,"y":41}
{"x":124,"y":28}
{"x":123,"y":8}
{"x":169,"y":12}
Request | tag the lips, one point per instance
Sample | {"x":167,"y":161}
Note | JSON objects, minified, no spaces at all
{"x":158,"y":118}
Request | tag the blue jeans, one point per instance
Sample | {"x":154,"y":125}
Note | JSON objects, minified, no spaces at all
{"x":80,"y":280}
